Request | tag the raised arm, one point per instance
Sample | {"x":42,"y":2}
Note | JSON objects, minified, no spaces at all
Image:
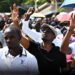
{"x":16,"y":20}
{"x":25,"y":41}
{"x":65,"y":43}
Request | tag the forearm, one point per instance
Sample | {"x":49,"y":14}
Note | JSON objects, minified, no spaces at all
{"x":65,"y":43}
{"x":24,"y":41}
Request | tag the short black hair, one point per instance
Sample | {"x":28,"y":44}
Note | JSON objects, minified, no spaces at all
{"x":22,"y":10}
{"x":15,"y":29}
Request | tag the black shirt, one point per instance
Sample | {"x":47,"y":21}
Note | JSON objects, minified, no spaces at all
{"x":48,"y":62}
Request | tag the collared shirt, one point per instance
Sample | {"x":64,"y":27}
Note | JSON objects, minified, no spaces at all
{"x":26,"y":63}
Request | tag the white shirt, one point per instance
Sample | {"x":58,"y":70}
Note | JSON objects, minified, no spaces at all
{"x":36,"y":36}
{"x":2,"y":40}
{"x":72,"y":46}
{"x":58,"y":40}
{"x":27,"y":62}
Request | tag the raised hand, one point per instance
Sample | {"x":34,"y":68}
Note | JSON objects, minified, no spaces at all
{"x":72,"y":21}
{"x":65,"y":44}
{"x":29,"y":12}
{"x":15,"y":14}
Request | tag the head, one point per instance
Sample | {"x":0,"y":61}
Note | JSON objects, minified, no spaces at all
{"x":48,"y":33}
{"x":22,"y":10}
{"x":12,"y":36}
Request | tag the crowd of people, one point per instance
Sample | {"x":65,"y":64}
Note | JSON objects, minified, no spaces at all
{"x":36,"y":46}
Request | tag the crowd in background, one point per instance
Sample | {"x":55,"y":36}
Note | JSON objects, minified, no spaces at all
{"x":36,"y":45}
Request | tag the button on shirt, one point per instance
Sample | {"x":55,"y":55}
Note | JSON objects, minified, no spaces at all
{"x":27,"y":62}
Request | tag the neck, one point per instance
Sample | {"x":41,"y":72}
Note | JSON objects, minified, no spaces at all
{"x":15,"y":51}
{"x":46,"y":46}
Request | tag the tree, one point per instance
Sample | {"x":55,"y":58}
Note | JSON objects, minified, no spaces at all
{"x":5,"y":4}
{"x":49,"y":1}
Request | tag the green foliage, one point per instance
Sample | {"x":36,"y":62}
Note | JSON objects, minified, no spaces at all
{"x":61,"y":10}
{"x":28,"y":2}
{"x":41,"y":2}
{"x":5,"y":4}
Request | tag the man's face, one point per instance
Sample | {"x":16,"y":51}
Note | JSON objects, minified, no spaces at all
{"x":47,"y":35}
{"x":11,"y":38}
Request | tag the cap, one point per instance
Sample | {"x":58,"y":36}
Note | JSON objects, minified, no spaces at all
{"x":47,"y":26}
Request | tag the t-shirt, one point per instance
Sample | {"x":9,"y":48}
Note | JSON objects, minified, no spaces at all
{"x":48,"y":62}
{"x":26,"y":63}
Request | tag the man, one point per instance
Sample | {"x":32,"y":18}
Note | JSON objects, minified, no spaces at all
{"x":14,"y":56}
{"x":65,"y":44}
{"x":50,"y":59}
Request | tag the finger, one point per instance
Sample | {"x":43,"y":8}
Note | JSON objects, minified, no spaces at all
{"x":17,"y":9}
{"x":74,"y":16}
{"x":11,"y":9}
{"x":71,"y":15}
{"x":74,"y":19}
{"x":14,"y":5}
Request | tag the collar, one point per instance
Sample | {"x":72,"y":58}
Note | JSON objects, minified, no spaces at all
{"x":6,"y":51}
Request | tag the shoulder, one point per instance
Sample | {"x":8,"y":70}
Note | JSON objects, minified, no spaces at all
{"x":34,"y":44}
{"x":3,"y":50}
{"x":60,"y":55}
{"x":55,"y":47}
{"x":57,"y":50}
{"x":29,"y":54}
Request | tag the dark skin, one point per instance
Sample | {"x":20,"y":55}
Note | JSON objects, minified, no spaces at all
{"x":12,"y":39}
{"x":25,"y":41}
{"x":65,"y":43}
{"x":47,"y":38}
{"x":47,"y":45}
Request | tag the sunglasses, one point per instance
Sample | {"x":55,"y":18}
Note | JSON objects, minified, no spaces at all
{"x":48,"y":30}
